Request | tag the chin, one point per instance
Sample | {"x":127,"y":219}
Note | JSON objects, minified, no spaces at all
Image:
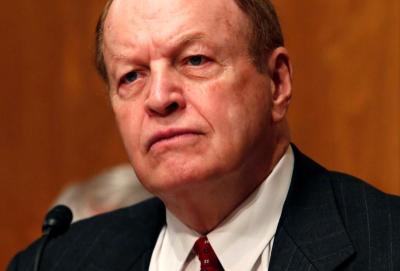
{"x":171,"y":180}
{"x":176,"y":171}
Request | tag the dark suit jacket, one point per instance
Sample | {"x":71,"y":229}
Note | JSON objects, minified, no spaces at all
{"x":330,"y":221}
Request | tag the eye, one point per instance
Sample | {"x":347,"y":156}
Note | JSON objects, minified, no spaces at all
{"x":197,"y":60}
{"x":130,"y":77}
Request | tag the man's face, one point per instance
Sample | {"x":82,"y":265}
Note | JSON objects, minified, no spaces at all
{"x":190,"y":105}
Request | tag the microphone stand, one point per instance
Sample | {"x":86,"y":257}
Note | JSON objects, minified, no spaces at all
{"x":57,"y":222}
{"x":42,"y":244}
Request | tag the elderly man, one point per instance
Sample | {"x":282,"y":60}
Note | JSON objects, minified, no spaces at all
{"x":200,"y":91}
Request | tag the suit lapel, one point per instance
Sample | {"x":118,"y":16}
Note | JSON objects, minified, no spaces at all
{"x":310,"y":235}
{"x":286,"y":255}
{"x":128,"y":246}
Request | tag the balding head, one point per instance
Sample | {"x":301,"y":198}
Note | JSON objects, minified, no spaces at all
{"x":266,"y":33}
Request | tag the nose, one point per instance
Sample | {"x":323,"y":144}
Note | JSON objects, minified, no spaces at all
{"x":166,"y":94}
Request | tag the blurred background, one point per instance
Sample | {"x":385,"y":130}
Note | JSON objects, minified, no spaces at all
{"x":58,"y":127}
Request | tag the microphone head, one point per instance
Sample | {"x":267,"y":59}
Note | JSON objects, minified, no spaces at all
{"x":57,"y":220}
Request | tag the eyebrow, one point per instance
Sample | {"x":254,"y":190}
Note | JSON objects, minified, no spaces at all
{"x":175,"y":44}
{"x":120,"y":57}
{"x":187,"y":39}
{"x":181,"y":42}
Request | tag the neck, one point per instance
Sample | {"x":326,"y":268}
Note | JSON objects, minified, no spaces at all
{"x":203,"y":207}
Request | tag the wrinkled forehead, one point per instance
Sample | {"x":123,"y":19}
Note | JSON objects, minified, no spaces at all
{"x":138,"y":18}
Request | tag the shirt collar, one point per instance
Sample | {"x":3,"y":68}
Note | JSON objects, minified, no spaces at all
{"x":248,"y":229}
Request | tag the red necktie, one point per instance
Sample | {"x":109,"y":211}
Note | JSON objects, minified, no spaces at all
{"x":207,"y":257}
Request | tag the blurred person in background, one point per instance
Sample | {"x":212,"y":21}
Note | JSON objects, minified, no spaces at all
{"x":112,"y":189}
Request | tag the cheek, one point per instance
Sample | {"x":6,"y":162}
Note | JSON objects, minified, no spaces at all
{"x":238,"y":110}
{"x":222,"y":107}
{"x":129,"y":126}
{"x":230,"y":104}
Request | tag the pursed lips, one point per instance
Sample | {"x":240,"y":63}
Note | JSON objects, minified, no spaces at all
{"x":169,"y":134}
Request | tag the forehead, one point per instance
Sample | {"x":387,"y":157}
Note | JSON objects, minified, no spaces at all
{"x":158,"y":20}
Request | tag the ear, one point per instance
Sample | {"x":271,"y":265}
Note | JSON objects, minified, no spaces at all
{"x":280,"y":72}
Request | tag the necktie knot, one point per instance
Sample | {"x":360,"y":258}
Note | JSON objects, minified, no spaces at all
{"x":206,"y":254}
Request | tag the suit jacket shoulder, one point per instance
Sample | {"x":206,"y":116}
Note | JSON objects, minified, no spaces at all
{"x":333,"y":221}
{"x":117,"y":240}
{"x":372,"y":220}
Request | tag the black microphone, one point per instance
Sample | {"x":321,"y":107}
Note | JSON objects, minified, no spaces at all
{"x":57,"y":222}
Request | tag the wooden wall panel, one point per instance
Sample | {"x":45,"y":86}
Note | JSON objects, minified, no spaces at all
{"x":57,"y":125}
{"x":346,"y":106}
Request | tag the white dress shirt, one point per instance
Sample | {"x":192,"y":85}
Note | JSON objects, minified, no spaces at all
{"x":243,"y":241}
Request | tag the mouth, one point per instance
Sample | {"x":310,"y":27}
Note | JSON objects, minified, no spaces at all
{"x":169,"y":135}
